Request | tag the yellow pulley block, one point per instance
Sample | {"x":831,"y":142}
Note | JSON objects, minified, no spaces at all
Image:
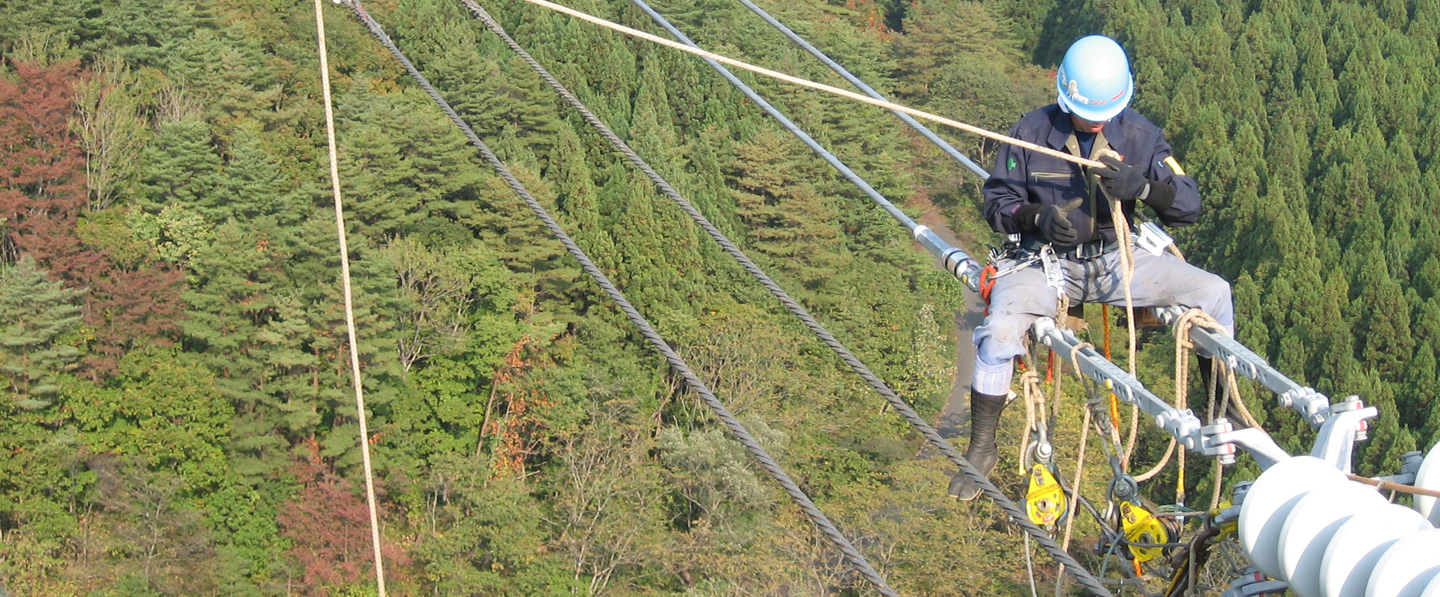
{"x":1044,"y":502}
{"x":1227,"y":529}
{"x":1140,"y":526}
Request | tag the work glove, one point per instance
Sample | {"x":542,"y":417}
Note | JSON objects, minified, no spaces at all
{"x":1127,"y":183}
{"x":1051,"y":221}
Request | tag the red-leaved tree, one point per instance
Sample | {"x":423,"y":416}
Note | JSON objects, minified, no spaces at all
{"x":42,"y":196}
{"x":330,"y":527}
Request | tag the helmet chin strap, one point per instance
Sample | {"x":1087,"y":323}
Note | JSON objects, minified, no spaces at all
{"x":1060,"y":99}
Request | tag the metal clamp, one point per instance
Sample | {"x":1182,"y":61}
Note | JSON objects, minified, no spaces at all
{"x":1312,"y":405}
{"x":1221,"y":441}
{"x":1020,"y":263}
{"x":1152,"y":238}
{"x":1054,"y":274}
{"x":1336,"y":440}
{"x":1409,"y":467}
{"x":1253,"y":583}
{"x":1180,"y":424}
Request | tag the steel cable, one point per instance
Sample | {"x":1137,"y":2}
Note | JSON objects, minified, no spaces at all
{"x":818,"y":518}
{"x":690,"y":49}
{"x":855,"y":364}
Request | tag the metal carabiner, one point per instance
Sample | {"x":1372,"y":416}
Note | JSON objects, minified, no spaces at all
{"x":1054,"y":274}
{"x":1020,"y":263}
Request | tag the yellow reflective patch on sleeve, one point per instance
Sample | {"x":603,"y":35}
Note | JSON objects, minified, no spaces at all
{"x":1174,"y":166}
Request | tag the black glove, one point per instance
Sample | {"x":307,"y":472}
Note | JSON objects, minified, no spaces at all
{"x":1122,"y":181}
{"x":1127,"y":183}
{"x":1051,"y":221}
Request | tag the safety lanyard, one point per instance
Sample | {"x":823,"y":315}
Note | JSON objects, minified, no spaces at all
{"x":1092,"y":182}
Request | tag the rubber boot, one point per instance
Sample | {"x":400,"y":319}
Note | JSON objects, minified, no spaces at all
{"x":984,"y":417}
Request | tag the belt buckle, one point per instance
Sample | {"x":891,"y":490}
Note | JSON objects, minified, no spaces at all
{"x":1090,"y":250}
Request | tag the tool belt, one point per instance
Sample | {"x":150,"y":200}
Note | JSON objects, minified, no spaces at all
{"x":1082,"y":252}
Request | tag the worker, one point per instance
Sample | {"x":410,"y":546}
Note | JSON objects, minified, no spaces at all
{"x":1047,"y":200}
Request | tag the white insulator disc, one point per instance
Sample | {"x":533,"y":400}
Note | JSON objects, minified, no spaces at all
{"x":1357,"y":546}
{"x":1432,"y":589}
{"x":1429,"y":478}
{"x":1308,"y":529}
{"x":1407,"y":567}
{"x":1269,"y":501}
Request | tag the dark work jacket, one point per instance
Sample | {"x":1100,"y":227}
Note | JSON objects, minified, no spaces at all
{"x":1022,"y":176}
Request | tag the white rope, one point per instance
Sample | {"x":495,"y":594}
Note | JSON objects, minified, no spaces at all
{"x":349,"y":302}
{"x":1080,"y":458}
{"x":1127,"y":277}
{"x":820,"y":86}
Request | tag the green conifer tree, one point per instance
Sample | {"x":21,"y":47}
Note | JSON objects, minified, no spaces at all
{"x":38,"y":312}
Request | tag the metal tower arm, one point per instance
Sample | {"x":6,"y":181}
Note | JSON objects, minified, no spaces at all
{"x":1312,"y":405}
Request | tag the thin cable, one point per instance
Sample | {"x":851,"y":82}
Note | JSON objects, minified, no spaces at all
{"x":906,"y":118}
{"x":969,"y":128}
{"x":856,"y":559}
{"x":349,"y":302}
{"x":792,"y":305}
{"x":1030,"y":567}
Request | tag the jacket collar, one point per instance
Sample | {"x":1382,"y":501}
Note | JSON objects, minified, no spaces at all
{"x":1060,"y":128}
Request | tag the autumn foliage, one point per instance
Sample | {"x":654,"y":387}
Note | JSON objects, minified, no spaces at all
{"x":329,"y":526}
{"x":42,"y":199}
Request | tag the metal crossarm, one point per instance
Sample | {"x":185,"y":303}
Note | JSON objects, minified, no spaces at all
{"x":1312,"y":405}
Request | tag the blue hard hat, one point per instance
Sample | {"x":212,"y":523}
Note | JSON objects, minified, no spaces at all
{"x":1094,"y":79}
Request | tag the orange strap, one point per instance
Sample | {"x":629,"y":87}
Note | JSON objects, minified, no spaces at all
{"x":987,"y":284}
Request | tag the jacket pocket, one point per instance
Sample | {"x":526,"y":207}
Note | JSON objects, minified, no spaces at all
{"x":1051,"y":177}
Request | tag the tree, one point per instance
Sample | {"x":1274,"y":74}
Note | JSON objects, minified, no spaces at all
{"x":42,"y":183}
{"x":483,"y":535}
{"x":788,"y":220}
{"x":608,"y":508}
{"x":154,"y":540}
{"x":401,"y":161}
{"x":112,"y":131}
{"x":182,"y":167}
{"x":162,"y":407}
{"x":447,"y":289}
{"x":330,"y":530}
{"x":38,"y":312}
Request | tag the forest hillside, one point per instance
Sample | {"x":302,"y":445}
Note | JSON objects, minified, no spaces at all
{"x":178,"y":416}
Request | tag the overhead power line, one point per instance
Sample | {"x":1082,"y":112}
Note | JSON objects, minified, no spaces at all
{"x":818,"y":518}
{"x":859,"y":367}
{"x":969,"y":128}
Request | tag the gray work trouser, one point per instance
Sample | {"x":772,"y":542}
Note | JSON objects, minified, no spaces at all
{"x":1019,"y":298}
